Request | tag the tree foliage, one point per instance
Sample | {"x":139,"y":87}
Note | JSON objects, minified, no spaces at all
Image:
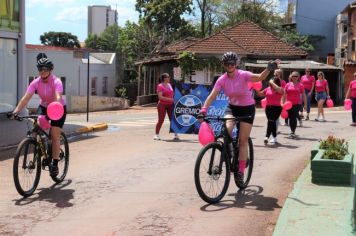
{"x":208,"y":15}
{"x":107,"y":41}
{"x":60,"y":39}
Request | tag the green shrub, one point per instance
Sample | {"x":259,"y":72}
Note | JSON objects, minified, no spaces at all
{"x":335,"y":148}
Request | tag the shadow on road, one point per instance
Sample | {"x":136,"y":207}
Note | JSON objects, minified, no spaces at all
{"x":54,"y":194}
{"x":247,"y":198}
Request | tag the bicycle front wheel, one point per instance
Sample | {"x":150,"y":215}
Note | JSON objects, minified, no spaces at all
{"x":27,"y":167}
{"x":248,"y":169}
{"x":212,"y":173}
{"x":63,"y":163}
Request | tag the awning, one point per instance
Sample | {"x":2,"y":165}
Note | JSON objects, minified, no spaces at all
{"x":296,"y":65}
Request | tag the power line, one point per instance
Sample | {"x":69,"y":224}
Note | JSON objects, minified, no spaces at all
{"x":314,"y":19}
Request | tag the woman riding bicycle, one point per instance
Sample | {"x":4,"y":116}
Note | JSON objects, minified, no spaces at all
{"x":234,"y":83}
{"x":49,"y":89}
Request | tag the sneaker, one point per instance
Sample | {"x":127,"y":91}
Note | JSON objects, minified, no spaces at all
{"x":265,"y":140}
{"x":316,"y":119}
{"x":54,"y":169}
{"x":353,"y":124}
{"x":292,"y":135}
{"x":156,"y":137}
{"x":322,"y":120}
{"x":273,"y":141}
{"x":307,"y":118}
{"x":176,"y":137}
{"x":239,"y":176}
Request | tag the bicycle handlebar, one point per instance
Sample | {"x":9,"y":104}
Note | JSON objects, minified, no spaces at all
{"x":21,"y":118}
{"x":218,"y":118}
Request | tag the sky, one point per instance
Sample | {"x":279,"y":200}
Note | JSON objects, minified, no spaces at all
{"x":71,"y":16}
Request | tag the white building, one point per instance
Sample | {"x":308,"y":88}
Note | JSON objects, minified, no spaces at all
{"x":100,"y":17}
{"x":72,"y":69}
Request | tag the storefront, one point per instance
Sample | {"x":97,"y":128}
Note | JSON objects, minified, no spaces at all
{"x":12,"y":70}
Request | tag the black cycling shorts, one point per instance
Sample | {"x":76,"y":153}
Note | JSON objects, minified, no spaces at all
{"x":57,"y":123}
{"x":238,"y":111}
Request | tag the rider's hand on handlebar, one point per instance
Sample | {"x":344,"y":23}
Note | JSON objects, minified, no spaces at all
{"x":202,"y":114}
{"x":11,"y":115}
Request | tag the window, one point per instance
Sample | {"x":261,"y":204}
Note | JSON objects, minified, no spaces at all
{"x":63,"y":79}
{"x":93,"y":86}
{"x":344,"y":28}
{"x":105,"y":85}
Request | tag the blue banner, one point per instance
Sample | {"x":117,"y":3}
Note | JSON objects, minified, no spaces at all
{"x":188,"y":101}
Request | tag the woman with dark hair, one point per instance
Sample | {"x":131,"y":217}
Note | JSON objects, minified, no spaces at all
{"x":165,"y":94}
{"x":273,"y":109}
{"x":351,"y":94}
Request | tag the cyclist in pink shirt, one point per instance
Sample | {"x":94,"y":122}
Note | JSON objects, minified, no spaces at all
{"x":234,"y":83}
{"x":321,"y":94}
{"x":292,"y":93}
{"x":165,"y":104}
{"x":351,"y":93}
{"x":50,"y":89}
{"x":308,"y":81}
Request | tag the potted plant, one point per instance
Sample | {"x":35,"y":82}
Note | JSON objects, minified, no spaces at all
{"x":332,"y":164}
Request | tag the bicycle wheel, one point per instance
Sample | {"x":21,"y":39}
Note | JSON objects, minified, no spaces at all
{"x":212,"y":173}
{"x":248,"y":169}
{"x":27,"y":167}
{"x":63,"y":160}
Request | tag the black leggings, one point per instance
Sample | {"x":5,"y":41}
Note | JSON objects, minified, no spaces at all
{"x":293,"y":115}
{"x":272,"y":113}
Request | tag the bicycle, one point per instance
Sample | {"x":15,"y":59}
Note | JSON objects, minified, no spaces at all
{"x":35,"y":152}
{"x":217,"y":160}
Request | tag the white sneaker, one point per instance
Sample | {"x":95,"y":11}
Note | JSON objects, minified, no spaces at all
{"x":273,"y":141}
{"x":176,"y":137}
{"x":156,"y":137}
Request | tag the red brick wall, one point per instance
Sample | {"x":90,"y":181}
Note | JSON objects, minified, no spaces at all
{"x":349,"y":71}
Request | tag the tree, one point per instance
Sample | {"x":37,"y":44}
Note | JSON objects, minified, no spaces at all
{"x":60,"y":39}
{"x":163,"y":17}
{"x":208,"y":10}
{"x":106,"y":41}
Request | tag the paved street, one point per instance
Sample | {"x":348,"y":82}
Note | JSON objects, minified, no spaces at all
{"x":122,"y":182}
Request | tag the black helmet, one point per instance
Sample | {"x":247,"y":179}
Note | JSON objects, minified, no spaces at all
{"x":44,"y":62}
{"x":230,"y":56}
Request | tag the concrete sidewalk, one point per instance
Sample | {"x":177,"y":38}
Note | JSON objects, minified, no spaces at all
{"x":312,"y":209}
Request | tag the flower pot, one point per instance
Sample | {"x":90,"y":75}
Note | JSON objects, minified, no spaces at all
{"x":336,"y":172}
{"x":314,"y":151}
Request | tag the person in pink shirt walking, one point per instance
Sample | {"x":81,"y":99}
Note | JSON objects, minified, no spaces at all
{"x":308,"y":81}
{"x":292,"y":93}
{"x":234,"y":83}
{"x":273,"y":94}
{"x":351,"y":94}
{"x":165,"y":104}
{"x":50,"y":89}
{"x":321,"y":94}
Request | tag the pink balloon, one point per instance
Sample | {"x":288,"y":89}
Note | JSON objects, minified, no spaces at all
{"x":347,"y":104}
{"x":55,"y":110}
{"x":43,"y":122}
{"x":287,"y":105}
{"x":206,"y":134}
{"x":249,"y":85}
{"x":284,"y":114}
{"x":329,"y":103}
{"x":263,"y":103}
{"x":257,"y":86}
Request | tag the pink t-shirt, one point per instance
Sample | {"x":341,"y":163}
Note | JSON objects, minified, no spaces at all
{"x":353,"y":89}
{"x":273,"y":98}
{"x":167,"y":91}
{"x":236,"y":89}
{"x":307,"y":81}
{"x":46,"y":91}
{"x":320,"y":85}
{"x":283,"y":83}
{"x":293,"y":92}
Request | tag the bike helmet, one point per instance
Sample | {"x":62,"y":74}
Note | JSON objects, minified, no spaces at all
{"x":230,"y":56}
{"x":45,"y":62}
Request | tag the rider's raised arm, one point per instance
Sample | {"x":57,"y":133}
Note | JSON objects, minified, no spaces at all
{"x":272,"y":65}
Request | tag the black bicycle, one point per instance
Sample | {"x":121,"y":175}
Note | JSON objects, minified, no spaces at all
{"x":35,"y":153}
{"x":217,"y":160}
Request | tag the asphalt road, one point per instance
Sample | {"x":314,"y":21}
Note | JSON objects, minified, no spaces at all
{"x":122,"y":182}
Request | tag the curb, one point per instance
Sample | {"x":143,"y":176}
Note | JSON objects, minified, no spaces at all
{"x":91,"y":128}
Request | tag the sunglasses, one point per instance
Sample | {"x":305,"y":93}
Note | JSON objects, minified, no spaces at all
{"x":44,"y":69}
{"x":230,"y":64}
{"x":294,"y":76}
